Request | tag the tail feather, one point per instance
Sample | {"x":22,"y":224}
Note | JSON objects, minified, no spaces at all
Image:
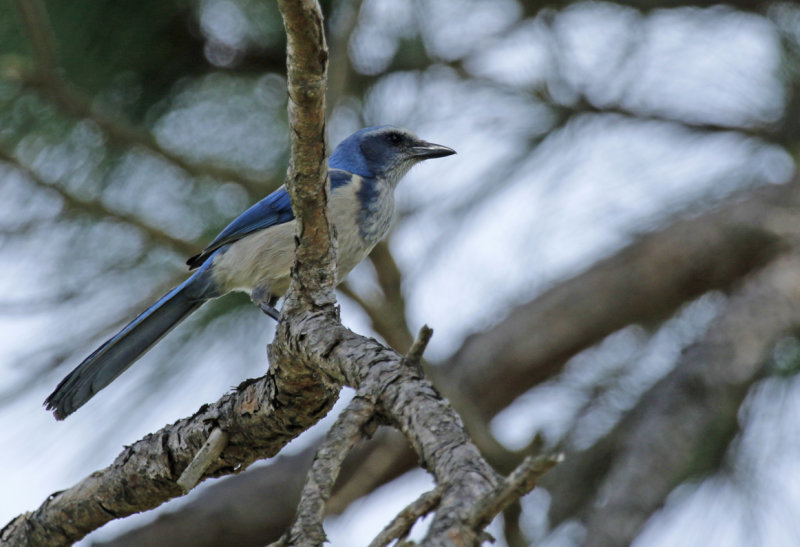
{"x":121,"y":351}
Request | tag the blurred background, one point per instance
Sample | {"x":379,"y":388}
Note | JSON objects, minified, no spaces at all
{"x":609,"y":263}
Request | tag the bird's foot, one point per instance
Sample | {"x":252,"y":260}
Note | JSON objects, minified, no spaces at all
{"x":269,"y":310}
{"x":266,"y":302}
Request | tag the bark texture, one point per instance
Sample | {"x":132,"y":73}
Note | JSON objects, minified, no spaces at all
{"x":260,"y":417}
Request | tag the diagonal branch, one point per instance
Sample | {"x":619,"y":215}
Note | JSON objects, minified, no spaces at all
{"x":386,"y":312}
{"x":259,"y":418}
{"x":643,"y":283}
{"x":40,"y":34}
{"x":400,"y":527}
{"x":697,"y":404}
{"x":520,"y":482}
{"x":408,"y":400}
{"x":98,"y":208}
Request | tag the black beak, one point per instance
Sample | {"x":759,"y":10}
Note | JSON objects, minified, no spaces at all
{"x":427,"y":150}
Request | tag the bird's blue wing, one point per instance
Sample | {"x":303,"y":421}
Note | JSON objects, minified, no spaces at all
{"x":274,"y":209}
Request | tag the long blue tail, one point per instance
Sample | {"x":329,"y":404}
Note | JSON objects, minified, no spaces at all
{"x":124,"y":348}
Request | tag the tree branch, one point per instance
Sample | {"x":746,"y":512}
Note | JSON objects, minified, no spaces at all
{"x":643,"y":283}
{"x":519,"y":483}
{"x":314,"y":275}
{"x":309,"y":330}
{"x":387,"y":313}
{"x":260,"y":417}
{"x":682,"y":426}
{"x":342,"y":437}
{"x":98,"y":208}
{"x":401,"y":525}
{"x":208,"y":453}
{"x":411,"y":403}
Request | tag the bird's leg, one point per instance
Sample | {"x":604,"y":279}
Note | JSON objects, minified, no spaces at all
{"x":266,"y":302}
{"x":270,"y":310}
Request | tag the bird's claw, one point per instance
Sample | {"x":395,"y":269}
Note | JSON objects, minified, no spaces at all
{"x":269,"y":310}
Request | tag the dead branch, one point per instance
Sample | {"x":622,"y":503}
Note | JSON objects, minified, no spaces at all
{"x":260,"y":417}
{"x":405,"y":519}
{"x":340,"y":440}
{"x":519,"y":483}
{"x":206,"y":456}
{"x":414,"y":355}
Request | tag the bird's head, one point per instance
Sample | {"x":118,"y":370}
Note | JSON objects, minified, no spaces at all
{"x":384,"y":151}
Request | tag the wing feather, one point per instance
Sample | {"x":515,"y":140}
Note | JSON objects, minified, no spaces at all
{"x":274,"y":209}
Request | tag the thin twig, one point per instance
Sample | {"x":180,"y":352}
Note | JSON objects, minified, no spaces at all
{"x":401,"y":524}
{"x":414,"y":355}
{"x":345,"y":433}
{"x":40,"y":34}
{"x":208,"y":453}
{"x":520,"y":482}
{"x":386,"y":311}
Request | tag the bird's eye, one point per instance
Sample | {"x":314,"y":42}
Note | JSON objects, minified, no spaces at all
{"x":394,"y":138}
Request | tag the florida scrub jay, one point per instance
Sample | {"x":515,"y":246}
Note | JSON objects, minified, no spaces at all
{"x":255,"y":252}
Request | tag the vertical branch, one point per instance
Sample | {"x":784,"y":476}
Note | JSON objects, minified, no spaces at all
{"x":341,"y":439}
{"x":307,"y":65}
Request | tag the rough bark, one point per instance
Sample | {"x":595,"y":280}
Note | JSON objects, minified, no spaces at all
{"x":260,"y":417}
{"x":410,"y":403}
{"x":245,"y":517}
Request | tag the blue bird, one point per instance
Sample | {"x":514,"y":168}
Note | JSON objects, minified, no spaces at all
{"x":255,"y":252}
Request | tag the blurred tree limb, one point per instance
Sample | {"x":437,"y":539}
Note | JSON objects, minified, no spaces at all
{"x":97,"y":208}
{"x":645,"y":282}
{"x":387,"y":311}
{"x":697,"y":404}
